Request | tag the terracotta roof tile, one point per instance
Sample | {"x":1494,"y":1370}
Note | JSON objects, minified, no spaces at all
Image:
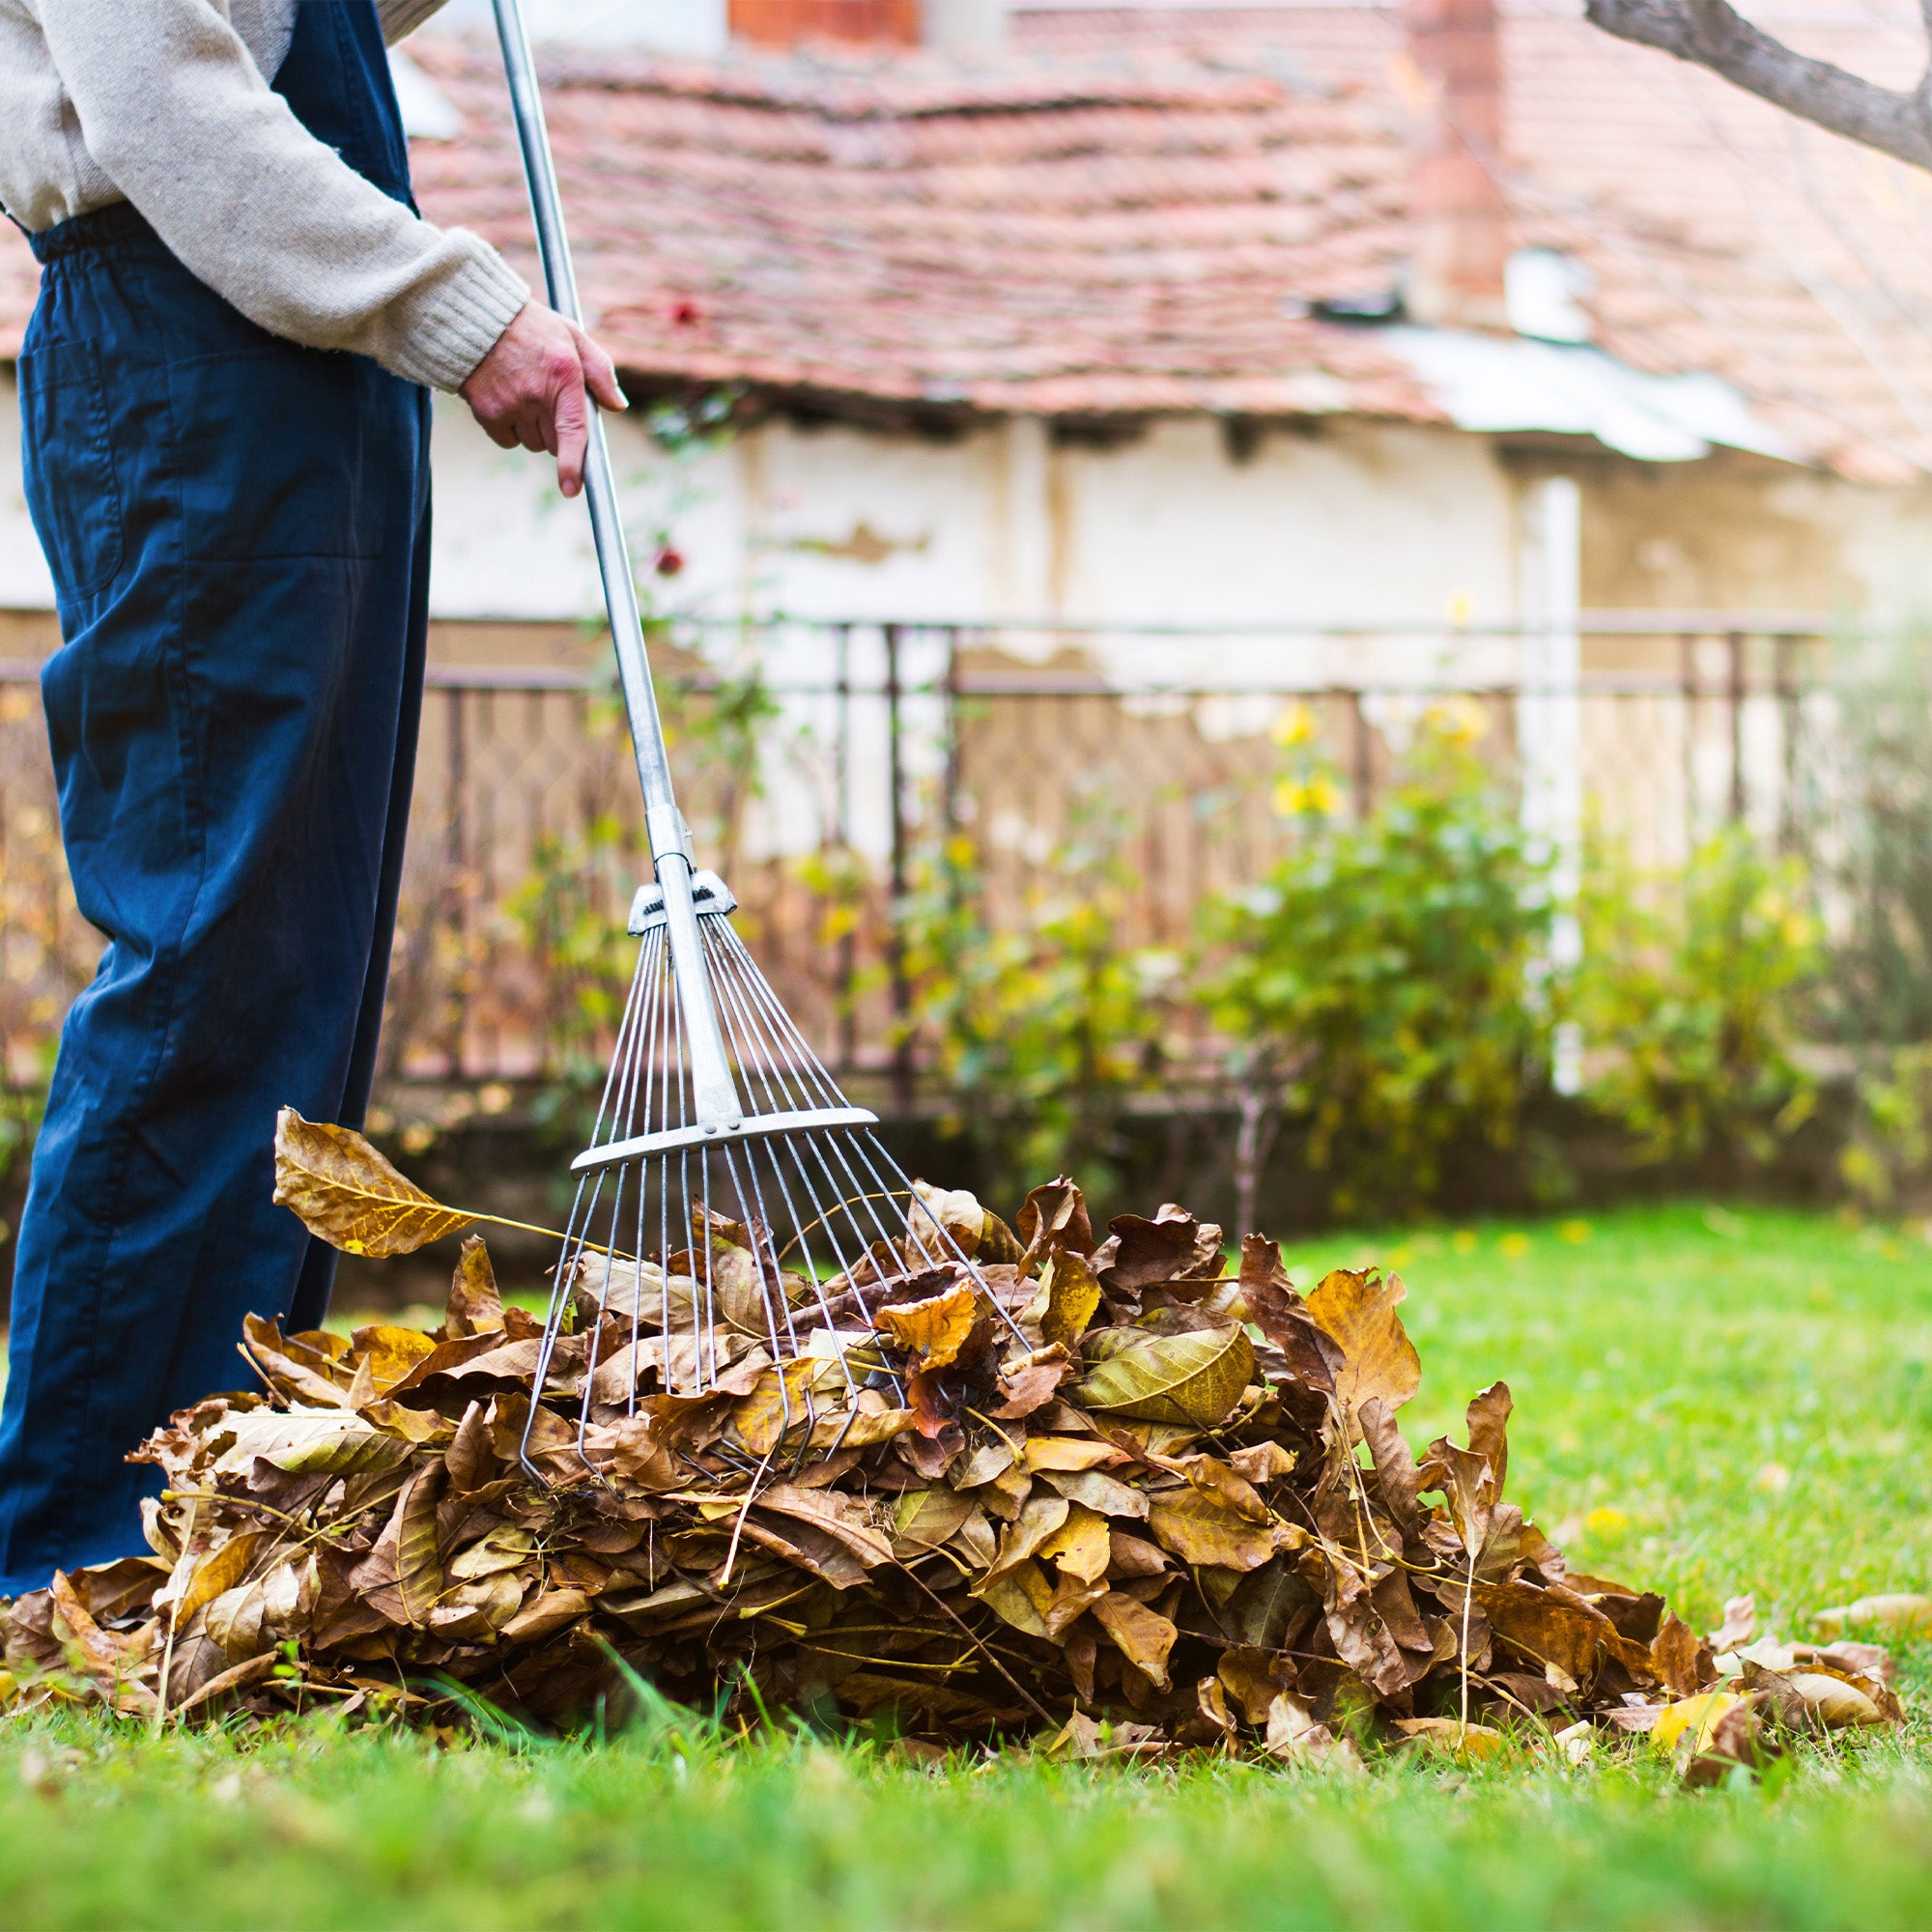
{"x":1130,"y":211}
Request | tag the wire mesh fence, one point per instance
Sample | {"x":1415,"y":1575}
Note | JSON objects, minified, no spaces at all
{"x":826,"y":765}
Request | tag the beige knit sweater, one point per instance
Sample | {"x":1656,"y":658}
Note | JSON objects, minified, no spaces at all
{"x":163,"y":103}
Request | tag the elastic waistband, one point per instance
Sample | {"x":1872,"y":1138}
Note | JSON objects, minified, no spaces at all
{"x":114,"y":226}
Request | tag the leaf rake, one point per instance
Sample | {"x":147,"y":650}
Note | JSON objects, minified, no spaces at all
{"x":730,"y":1192}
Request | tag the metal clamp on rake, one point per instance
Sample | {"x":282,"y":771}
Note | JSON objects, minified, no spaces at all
{"x":730,"y":1192}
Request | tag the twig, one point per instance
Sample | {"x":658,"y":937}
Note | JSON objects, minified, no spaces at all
{"x":1033,"y":1703}
{"x":1468,"y":1598}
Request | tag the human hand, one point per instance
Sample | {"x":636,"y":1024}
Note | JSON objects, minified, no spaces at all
{"x":530,"y":389}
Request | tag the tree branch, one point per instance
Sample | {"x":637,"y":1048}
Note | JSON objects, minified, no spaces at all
{"x":1712,"y":33}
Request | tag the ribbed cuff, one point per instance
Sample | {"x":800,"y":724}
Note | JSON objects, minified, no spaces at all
{"x":464,"y":319}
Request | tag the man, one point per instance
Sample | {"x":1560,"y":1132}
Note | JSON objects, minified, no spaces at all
{"x":224,"y":396}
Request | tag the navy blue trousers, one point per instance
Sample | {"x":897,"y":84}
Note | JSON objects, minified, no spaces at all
{"x":239,"y":531}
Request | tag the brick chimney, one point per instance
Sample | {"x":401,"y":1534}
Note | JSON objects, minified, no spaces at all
{"x":1462,"y":234}
{"x":784,"y":23}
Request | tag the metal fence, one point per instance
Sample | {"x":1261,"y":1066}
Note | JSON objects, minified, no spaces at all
{"x":823,"y":764}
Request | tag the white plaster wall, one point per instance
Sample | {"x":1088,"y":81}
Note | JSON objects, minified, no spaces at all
{"x":1405,"y":526}
{"x":1363,"y":521}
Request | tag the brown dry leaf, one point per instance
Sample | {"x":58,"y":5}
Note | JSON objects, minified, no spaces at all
{"x":1313,"y":1358}
{"x":261,"y":1345}
{"x":1149,"y":1252}
{"x":308,"y":1443}
{"x":1195,"y":1377}
{"x":1037,"y":1518}
{"x":1739,"y":1621}
{"x":933,"y":1330}
{"x":1682,"y":1660}
{"x":1295,"y":1737}
{"x":1031,"y":1388}
{"x":928,"y":1518}
{"x":1197,"y":1527}
{"x":91,"y":1647}
{"x":349,"y":1196}
{"x":201,"y":1580}
{"x":843,"y":1518}
{"x":1821,"y":1700}
{"x":1143,"y":1636}
{"x":552,"y":1611}
{"x":1487,"y":1424}
{"x":1357,"y":1308}
{"x":1107,"y":1496}
{"x":1214,"y":1478}
{"x":1053,"y":1216}
{"x":475,"y":1305}
{"x":954,"y":1210}
{"x":1554,"y":1629}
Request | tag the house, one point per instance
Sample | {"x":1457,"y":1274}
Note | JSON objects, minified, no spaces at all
{"x":1210,"y":351}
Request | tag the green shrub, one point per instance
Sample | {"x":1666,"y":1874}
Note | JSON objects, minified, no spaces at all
{"x":1690,"y":996}
{"x":1382,"y":984}
{"x":1041,"y":1030}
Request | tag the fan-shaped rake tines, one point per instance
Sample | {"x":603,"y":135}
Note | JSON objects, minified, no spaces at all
{"x":732,"y":1249}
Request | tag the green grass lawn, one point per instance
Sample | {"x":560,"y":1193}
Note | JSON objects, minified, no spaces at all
{"x":1708,"y":1403}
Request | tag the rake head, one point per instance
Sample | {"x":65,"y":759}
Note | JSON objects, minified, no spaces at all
{"x":712,"y":1236}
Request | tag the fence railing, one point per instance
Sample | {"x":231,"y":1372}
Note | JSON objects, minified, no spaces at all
{"x":821,"y":763}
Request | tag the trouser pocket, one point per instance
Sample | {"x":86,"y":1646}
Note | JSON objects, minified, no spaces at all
{"x":74,"y":494}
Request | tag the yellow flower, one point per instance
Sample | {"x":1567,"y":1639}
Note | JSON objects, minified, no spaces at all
{"x":1316,"y":795}
{"x":1459,"y":720}
{"x":1294,"y":726}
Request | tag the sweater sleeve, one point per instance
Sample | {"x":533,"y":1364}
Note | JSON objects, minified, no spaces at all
{"x":175,"y":111}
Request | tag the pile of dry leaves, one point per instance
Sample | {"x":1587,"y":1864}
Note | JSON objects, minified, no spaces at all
{"x":1178,"y":1514}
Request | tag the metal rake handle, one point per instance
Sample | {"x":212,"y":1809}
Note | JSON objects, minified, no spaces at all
{"x":714,"y":1092}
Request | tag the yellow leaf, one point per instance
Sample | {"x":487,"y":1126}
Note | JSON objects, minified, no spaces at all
{"x":1355,"y":1307}
{"x":1082,"y":1547}
{"x":1038,"y":1520}
{"x":934,"y":1329}
{"x":207,"y":1577}
{"x":1067,"y":1452}
{"x":778,"y":1405}
{"x":1698,"y":1713}
{"x":504,"y":1548}
{"x":1070,"y":1293}
{"x":349,"y":1196}
{"x":1195,"y":1377}
{"x":390,"y":1352}
{"x":924,"y":1518}
{"x":1023,"y":1597}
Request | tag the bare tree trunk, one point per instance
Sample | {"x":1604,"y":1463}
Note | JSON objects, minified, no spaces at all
{"x":1254,"y":1141}
{"x":1712,"y":33}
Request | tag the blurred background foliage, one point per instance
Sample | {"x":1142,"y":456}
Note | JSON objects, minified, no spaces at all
{"x":1352,"y":1036}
